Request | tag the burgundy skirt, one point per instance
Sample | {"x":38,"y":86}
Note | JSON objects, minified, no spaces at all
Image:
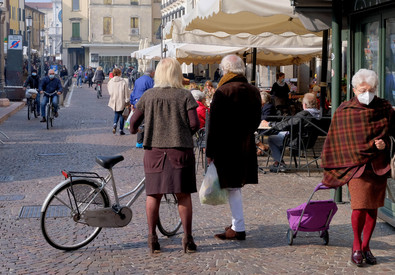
{"x":169,"y":171}
{"x":368,"y":190}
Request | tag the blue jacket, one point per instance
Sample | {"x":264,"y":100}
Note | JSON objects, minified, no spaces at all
{"x":50,"y":85}
{"x":140,"y":86}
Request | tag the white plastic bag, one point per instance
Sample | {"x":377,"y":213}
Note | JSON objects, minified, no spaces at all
{"x":210,"y":192}
{"x":127,"y":122}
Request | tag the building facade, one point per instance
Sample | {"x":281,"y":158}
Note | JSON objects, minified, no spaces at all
{"x":105,"y":32}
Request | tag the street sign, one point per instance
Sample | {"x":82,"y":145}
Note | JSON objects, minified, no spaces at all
{"x":15,"y":42}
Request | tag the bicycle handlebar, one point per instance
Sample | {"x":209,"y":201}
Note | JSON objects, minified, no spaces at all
{"x":50,"y":94}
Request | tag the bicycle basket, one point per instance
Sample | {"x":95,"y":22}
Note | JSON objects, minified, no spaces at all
{"x":31,"y":93}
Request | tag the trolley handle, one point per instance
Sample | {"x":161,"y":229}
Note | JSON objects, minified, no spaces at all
{"x":321,"y":186}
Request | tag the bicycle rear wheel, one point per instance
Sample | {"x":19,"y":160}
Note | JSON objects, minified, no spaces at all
{"x":29,"y":109}
{"x":62,"y":218}
{"x":169,"y":221}
{"x":34,"y":108}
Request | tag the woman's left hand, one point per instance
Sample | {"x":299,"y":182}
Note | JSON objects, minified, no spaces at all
{"x":380,"y":144}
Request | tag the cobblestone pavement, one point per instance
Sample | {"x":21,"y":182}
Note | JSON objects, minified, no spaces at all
{"x":30,"y":165}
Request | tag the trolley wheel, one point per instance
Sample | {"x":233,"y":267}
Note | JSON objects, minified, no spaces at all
{"x":290,"y":236}
{"x":325,"y":236}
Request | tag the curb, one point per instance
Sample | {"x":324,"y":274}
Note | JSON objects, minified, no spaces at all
{"x":6,"y":112}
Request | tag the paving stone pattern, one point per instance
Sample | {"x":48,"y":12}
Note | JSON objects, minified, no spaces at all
{"x":35,"y":156}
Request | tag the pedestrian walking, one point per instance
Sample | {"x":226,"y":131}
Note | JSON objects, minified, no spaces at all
{"x":119,"y":99}
{"x":235,"y":114}
{"x":90,"y":73}
{"x":141,"y":85}
{"x":80,"y":75}
{"x":355,"y":152}
{"x":169,"y":162}
{"x":280,"y":91}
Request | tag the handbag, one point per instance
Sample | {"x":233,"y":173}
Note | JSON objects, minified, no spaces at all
{"x":392,"y":157}
{"x":126,"y":112}
{"x":210,"y":192}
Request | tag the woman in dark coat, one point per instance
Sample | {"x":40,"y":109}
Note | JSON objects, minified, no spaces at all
{"x":280,"y":91}
{"x":235,"y":114}
{"x":356,"y":152}
{"x":170,"y":120}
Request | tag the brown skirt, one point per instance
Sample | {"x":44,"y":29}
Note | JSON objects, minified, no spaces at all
{"x":169,"y":171}
{"x":367,"y":191}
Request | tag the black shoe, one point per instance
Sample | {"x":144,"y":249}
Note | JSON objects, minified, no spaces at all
{"x":56,"y":114}
{"x":43,"y":120}
{"x":121,"y":132}
{"x":369,"y":258}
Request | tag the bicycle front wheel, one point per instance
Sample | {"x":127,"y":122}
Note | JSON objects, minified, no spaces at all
{"x":34,"y":106}
{"x":169,"y":221}
{"x":48,"y":115}
{"x":62,"y":219}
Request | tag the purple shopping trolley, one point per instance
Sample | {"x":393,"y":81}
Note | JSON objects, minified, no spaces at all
{"x":311,"y":216}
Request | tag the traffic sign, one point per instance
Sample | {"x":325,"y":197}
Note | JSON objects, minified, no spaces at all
{"x":15,"y":42}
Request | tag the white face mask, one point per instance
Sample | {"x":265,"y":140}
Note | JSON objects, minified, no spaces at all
{"x":365,"y":98}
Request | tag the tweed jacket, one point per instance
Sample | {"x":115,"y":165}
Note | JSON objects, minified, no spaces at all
{"x":119,"y":93}
{"x":235,"y":114}
{"x":350,"y":141}
{"x":166,"y":121}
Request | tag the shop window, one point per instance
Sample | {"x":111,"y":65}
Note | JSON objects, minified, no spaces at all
{"x":76,"y":5}
{"x":107,"y":28}
{"x":371,"y":46}
{"x":389,"y":85}
{"x":134,"y":2}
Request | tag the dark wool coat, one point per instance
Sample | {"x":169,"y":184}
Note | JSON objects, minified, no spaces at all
{"x":235,"y":114}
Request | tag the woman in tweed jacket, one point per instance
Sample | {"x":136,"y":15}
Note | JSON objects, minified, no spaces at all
{"x":170,"y":116}
{"x":356,"y":152}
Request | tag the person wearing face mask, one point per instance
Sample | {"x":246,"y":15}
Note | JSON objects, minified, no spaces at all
{"x":280,"y":91}
{"x":50,"y":84}
{"x":33,"y":81}
{"x":355,"y":152}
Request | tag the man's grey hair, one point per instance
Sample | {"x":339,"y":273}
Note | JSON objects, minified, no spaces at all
{"x":232,"y":64}
{"x":310,"y":100}
{"x":149,"y":71}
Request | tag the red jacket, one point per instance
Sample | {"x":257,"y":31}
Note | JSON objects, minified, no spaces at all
{"x":201,"y":111}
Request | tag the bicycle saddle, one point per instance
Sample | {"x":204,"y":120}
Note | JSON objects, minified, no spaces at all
{"x":109,"y":162}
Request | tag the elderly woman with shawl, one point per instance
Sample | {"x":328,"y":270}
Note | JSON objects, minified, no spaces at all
{"x":356,"y":152}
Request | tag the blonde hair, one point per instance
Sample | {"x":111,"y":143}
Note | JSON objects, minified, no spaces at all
{"x":168,"y":73}
{"x":117,"y":72}
{"x":100,"y":68}
{"x":265,"y":97}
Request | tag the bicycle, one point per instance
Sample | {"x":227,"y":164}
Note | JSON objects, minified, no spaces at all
{"x":99,"y":88}
{"x":31,"y":95}
{"x":76,"y":210}
{"x":50,"y":109}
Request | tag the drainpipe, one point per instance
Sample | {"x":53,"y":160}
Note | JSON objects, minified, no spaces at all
{"x":336,"y":67}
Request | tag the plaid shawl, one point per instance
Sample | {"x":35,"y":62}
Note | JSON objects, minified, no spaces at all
{"x":350,"y":140}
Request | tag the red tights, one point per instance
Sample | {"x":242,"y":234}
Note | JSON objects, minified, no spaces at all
{"x":363,"y":220}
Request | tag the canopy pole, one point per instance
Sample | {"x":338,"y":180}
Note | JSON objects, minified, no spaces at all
{"x":336,"y":67}
{"x":253,"y":74}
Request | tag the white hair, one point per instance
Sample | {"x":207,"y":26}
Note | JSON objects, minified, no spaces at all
{"x":232,"y":64}
{"x":198,"y":95}
{"x":367,"y":76}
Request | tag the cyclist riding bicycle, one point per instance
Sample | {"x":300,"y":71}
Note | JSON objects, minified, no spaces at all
{"x":49,"y":85}
{"x":33,"y":81}
{"x":99,"y":77}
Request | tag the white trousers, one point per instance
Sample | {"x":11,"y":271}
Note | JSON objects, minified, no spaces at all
{"x":236,"y":207}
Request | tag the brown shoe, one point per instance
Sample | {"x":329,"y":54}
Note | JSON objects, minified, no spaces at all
{"x":230,"y":234}
{"x":153,"y":244}
{"x":188,"y":244}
